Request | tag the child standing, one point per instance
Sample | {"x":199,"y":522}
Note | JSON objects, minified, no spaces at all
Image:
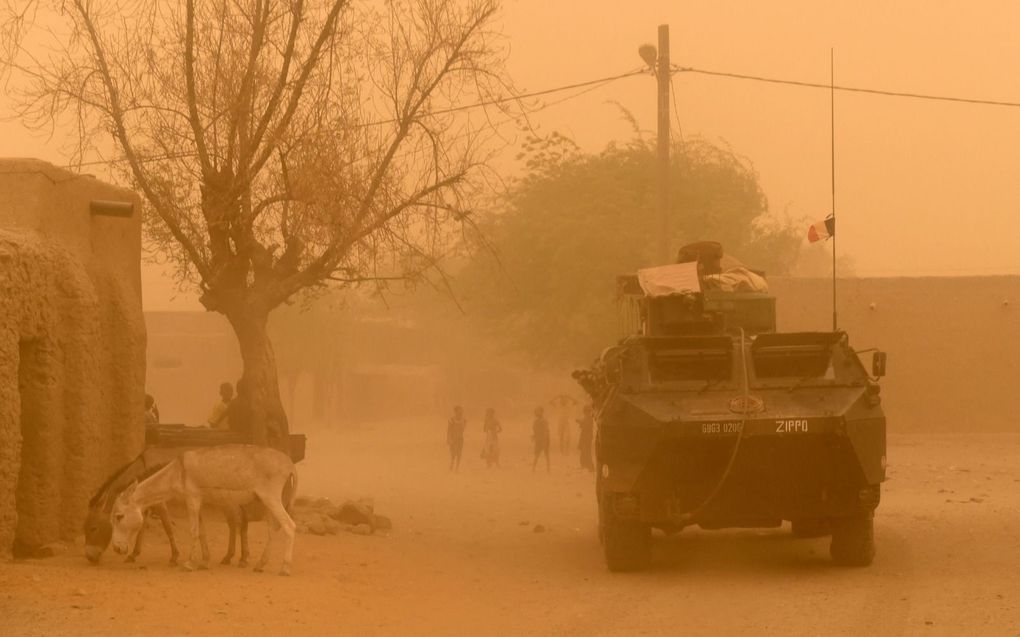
{"x":455,"y":436}
{"x":492,"y":428}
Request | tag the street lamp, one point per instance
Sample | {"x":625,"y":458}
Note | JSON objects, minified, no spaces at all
{"x":649,"y":54}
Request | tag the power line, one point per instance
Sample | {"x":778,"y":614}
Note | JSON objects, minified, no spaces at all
{"x":518,"y":97}
{"x":589,"y":85}
{"x":676,"y":109}
{"x":593,"y":87}
{"x":143,"y":160}
{"x":849,"y":89}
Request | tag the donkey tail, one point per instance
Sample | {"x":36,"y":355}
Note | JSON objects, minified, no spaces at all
{"x":290,"y":491}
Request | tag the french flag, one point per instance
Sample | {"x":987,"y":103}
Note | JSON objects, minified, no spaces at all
{"x":822,"y":229}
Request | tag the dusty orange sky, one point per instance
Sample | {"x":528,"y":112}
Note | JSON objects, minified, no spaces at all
{"x":923,"y":188}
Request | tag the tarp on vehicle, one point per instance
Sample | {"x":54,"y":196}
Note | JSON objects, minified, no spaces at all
{"x":739,"y":279}
{"x":670,"y":280}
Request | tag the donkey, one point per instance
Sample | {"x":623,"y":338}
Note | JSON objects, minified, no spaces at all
{"x":98,"y":529}
{"x":228,"y":475}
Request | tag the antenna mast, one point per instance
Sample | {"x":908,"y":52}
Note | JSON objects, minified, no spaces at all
{"x":832,"y":149}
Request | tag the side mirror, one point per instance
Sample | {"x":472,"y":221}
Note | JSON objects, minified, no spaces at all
{"x":878,"y":364}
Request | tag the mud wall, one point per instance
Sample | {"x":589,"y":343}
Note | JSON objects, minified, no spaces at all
{"x":953,"y":343}
{"x":72,"y":348}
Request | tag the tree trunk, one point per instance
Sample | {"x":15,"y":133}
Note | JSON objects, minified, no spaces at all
{"x":269,"y":425}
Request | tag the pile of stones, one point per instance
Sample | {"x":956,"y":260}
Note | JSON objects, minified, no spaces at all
{"x":319,"y":516}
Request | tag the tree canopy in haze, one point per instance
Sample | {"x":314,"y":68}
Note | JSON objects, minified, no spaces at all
{"x":545,"y":279}
{"x":279,"y":145}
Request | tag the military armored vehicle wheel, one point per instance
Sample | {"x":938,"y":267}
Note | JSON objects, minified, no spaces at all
{"x":625,"y":543}
{"x":806,"y":528}
{"x":853,"y":540}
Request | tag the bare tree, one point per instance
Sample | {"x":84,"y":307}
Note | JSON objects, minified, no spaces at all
{"x":279,"y":145}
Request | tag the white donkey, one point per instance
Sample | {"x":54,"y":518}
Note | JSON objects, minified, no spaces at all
{"x":227,"y":476}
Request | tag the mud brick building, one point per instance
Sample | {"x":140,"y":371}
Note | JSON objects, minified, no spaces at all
{"x":72,"y":347}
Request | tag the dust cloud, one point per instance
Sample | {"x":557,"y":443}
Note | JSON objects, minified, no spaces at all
{"x":424,"y":504}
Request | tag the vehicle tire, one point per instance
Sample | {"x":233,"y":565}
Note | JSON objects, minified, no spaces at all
{"x":810,"y":527}
{"x":625,"y":543}
{"x":853,"y":540}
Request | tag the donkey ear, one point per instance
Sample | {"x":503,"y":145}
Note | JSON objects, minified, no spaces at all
{"x":129,"y":491}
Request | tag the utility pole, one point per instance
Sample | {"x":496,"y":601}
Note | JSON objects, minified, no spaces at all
{"x":662,"y":73}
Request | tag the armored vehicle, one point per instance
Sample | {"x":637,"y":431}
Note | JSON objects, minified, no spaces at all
{"x":708,"y":416}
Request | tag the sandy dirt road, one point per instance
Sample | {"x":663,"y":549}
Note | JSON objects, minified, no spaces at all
{"x":464,"y":559}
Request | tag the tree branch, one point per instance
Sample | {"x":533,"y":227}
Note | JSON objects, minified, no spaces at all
{"x":189,"y":80}
{"x":121,"y":134}
{"x":297,"y":92}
